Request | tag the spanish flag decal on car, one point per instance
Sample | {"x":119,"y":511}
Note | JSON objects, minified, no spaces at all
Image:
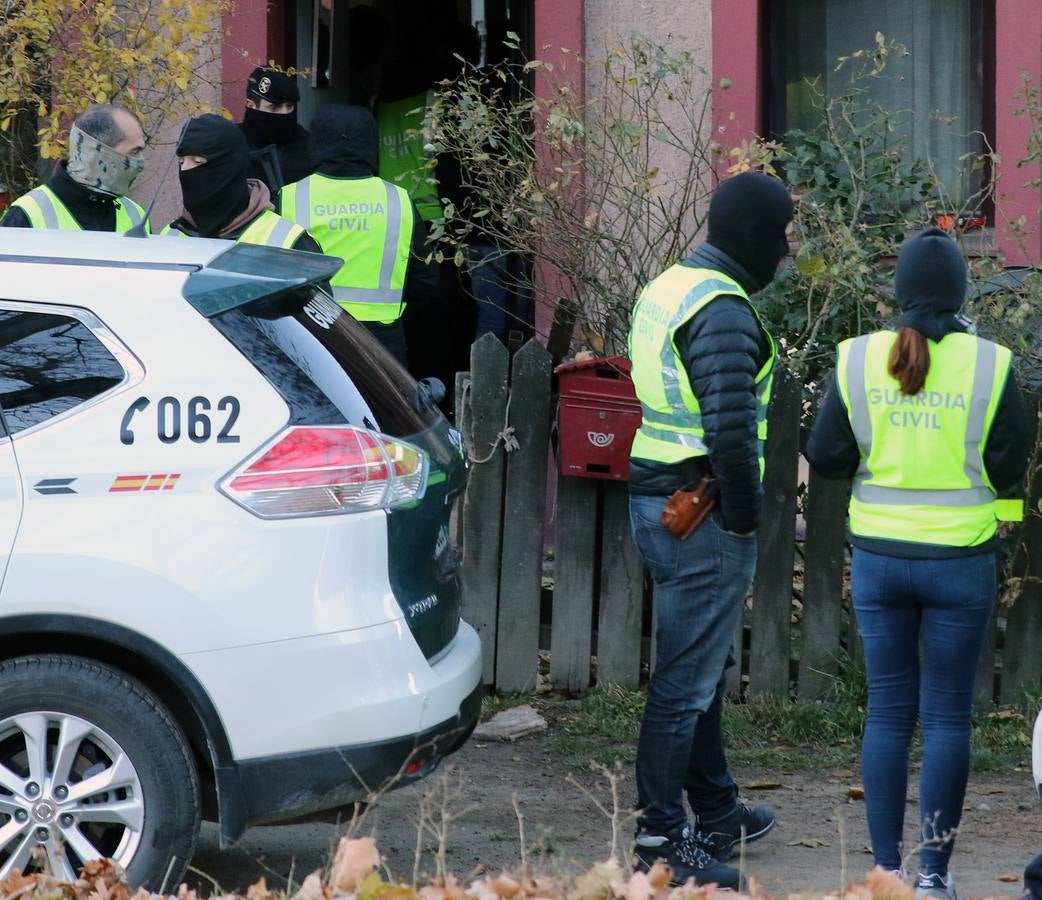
{"x":128,"y":483}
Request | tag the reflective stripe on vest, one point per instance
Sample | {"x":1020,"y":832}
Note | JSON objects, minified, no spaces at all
{"x":671,"y":427}
{"x":269,"y":229}
{"x":935,"y":443}
{"x":375,"y":257}
{"x":45,"y":210}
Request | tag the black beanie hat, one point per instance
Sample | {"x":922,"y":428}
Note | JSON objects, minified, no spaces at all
{"x":748,"y":216}
{"x":272,"y":85}
{"x":930,"y":283}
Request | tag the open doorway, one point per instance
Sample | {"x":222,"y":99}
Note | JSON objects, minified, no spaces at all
{"x":391,"y":56}
{"x":356,"y":50}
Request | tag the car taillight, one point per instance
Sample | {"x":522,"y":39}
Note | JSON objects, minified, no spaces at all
{"x":313,"y":470}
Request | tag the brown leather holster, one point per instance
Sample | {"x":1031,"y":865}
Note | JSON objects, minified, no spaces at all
{"x":685,"y":510}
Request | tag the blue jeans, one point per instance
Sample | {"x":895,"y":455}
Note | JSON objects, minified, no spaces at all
{"x":1033,"y":879}
{"x":700,"y":585}
{"x":946,"y":603}
{"x":490,"y":284}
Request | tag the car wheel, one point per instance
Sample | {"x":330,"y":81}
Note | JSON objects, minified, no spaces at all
{"x":92,"y":766}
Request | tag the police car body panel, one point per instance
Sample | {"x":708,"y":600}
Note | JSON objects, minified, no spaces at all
{"x":309,"y":644}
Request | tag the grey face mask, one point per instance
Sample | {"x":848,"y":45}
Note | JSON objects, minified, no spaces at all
{"x":99,"y":167}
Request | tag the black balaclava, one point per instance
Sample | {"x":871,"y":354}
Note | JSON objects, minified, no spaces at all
{"x":748,"y":216}
{"x":217,"y":192}
{"x":930,"y":284}
{"x":345,"y":142}
{"x":263,"y":127}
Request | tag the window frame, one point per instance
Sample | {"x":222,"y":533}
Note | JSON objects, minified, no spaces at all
{"x":133,"y":369}
{"x":738,"y":58}
{"x":769,"y":113}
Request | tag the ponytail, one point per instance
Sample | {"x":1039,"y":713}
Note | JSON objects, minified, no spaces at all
{"x":909,"y":360}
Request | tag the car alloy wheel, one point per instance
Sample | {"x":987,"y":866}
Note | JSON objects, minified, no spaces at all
{"x":68,"y":794}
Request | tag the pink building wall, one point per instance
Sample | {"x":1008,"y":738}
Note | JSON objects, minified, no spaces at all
{"x":1018,"y":39}
{"x":245,"y":47}
{"x":558,"y":24}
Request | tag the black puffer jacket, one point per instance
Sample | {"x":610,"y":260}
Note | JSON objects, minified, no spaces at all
{"x":723,"y":348}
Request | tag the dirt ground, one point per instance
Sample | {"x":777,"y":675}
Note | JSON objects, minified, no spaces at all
{"x":820,"y":842}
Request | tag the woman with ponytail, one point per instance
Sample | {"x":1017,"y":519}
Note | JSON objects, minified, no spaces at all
{"x":929,"y":423}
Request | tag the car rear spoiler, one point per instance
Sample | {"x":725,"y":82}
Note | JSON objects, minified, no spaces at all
{"x":249,"y":272}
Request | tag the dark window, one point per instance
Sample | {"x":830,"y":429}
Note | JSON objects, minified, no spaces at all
{"x":49,"y":364}
{"x":937,"y":92}
{"x":329,"y":368}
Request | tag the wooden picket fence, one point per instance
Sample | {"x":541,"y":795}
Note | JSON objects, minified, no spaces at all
{"x":549,"y":565}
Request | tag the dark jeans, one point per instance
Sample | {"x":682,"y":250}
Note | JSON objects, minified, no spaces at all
{"x":1033,"y":879}
{"x":946,"y":603}
{"x":700,"y":585}
{"x":501,"y":285}
{"x":711,"y":791}
{"x":490,"y":285}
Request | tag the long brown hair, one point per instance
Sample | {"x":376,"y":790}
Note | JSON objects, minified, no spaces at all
{"x":909,"y":360}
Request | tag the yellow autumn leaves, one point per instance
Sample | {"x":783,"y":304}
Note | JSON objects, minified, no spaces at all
{"x":59,"y":56}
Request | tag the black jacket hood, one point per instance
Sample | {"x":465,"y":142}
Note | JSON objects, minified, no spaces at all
{"x":345,"y":142}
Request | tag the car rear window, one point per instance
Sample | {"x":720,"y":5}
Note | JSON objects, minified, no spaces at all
{"x":327,"y":365}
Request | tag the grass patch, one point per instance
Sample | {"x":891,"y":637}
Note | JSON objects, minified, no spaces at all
{"x":766,"y":732}
{"x":1002,"y":737}
{"x":496,"y":703}
{"x":601,"y":727}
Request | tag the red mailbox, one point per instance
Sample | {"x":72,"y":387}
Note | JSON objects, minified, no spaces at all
{"x":597,"y":416}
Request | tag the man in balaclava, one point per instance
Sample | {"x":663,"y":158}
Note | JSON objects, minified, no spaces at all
{"x":365,"y":221}
{"x":87,"y":191}
{"x":702,"y":368}
{"x":277,"y":142}
{"x":220,"y":200}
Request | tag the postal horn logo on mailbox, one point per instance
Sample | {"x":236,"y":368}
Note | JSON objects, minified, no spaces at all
{"x":600,"y":439}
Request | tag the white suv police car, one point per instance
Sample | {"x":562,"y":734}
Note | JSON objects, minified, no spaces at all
{"x":228,"y":589}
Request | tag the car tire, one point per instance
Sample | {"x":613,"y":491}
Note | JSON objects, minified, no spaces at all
{"x":118,"y":778}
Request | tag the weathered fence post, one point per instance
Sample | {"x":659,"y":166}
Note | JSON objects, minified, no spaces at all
{"x":621,"y":594}
{"x":984,"y":683}
{"x":483,"y":506}
{"x":734,"y":673}
{"x":1021,"y":663}
{"x":772,"y":590}
{"x":520,"y":583}
{"x":820,"y":624}
{"x":571,"y":631}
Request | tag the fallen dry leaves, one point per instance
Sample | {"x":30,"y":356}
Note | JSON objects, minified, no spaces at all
{"x":355,"y":875}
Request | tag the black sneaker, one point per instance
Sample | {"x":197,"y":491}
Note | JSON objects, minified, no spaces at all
{"x":935,"y":887}
{"x":723,"y":835}
{"x":684,"y":852}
